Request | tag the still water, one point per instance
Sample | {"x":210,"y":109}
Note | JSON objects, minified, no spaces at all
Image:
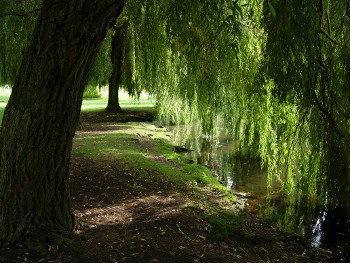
{"x":302,"y":214}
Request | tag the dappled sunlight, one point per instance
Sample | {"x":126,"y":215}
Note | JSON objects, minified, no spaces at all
{"x":146,"y":209}
{"x":103,"y":128}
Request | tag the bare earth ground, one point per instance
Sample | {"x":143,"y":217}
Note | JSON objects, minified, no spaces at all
{"x":127,"y":217}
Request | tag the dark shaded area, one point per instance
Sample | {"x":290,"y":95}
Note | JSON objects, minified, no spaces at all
{"x":123,"y":116}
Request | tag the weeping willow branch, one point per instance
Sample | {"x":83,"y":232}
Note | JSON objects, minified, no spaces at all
{"x":329,"y":116}
{"x":211,"y":61}
{"x":25,"y":14}
{"x":346,"y":116}
{"x":329,"y":24}
{"x":346,"y":14}
{"x":295,"y":138}
{"x":328,"y":37}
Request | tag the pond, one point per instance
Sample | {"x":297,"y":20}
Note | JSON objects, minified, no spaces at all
{"x":307,"y":216}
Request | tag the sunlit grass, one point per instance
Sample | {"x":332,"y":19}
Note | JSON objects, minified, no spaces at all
{"x":95,"y":105}
{"x":4,"y":97}
{"x":145,"y":103}
{"x":146,"y":148}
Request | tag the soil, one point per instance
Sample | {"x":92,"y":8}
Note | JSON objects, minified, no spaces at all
{"x":125,"y":217}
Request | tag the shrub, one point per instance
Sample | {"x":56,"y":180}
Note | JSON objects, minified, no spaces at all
{"x":91,"y":92}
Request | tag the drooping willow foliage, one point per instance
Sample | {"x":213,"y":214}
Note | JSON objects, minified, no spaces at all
{"x":307,"y":57}
{"x":275,"y":73}
{"x":17,"y":21}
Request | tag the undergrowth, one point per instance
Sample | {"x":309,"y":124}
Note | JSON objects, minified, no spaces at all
{"x":227,"y":223}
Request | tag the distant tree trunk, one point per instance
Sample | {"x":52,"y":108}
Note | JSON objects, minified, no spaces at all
{"x":117,"y":62}
{"x":41,"y":117}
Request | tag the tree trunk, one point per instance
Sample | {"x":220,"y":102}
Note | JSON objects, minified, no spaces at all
{"x":41,"y":117}
{"x":117,"y":62}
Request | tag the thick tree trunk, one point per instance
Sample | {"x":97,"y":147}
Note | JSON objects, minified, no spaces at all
{"x":117,"y":62}
{"x":41,"y":117}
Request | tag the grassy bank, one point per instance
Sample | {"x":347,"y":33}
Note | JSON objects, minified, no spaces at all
{"x":144,"y":147}
{"x":143,"y":202}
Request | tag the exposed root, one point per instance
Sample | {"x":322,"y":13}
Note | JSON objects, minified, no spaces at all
{"x":47,"y":237}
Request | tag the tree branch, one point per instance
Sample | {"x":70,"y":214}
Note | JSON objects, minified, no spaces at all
{"x":328,"y":37}
{"x":344,"y":15}
{"x":25,"y":14}
{"x":329,"y":115}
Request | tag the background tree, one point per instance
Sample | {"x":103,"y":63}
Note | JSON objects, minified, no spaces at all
{"x":117,"y":58}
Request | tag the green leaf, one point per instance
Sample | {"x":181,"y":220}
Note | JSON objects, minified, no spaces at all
{"x":272,"y":10}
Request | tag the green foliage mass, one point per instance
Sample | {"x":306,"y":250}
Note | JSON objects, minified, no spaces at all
{"x":276,"y":73}
{"x":102,"y":69}
{"x":307,"y":57}
{"x":15,"y":34}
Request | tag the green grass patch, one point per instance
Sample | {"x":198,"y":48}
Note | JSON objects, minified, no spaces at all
{"x":2,"y":109}
{"x":145,"y":148}
{"x":94,"y":104}
{"x":227,"y":223}
{"x":100,"y":104}
{"x":4,"y":97}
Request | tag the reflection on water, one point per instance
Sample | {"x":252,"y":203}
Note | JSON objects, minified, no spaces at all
{"x":301,"y":213}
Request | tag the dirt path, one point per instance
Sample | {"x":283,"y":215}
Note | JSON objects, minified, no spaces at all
{"x":126,"y":216}
{"x":155,"y":223}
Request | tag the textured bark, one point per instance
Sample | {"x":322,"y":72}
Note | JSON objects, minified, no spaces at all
{"x":117,"y":62}
{"x":41,"y":117}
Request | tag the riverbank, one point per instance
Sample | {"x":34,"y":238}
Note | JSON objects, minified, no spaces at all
{"x":137,"y":200}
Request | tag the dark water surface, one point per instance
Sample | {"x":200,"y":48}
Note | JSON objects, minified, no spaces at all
{"x":298,"y":213}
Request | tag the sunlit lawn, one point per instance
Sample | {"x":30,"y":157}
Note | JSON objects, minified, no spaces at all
{"x":4,"y":97}
{"x":90,"y":105}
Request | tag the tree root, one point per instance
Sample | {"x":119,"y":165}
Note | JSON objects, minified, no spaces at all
{"x":46,"y":237}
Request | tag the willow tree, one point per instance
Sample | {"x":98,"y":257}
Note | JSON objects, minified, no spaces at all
{"x":41,"y":116}
{"x":114,"y":65}
{"x":275,"y":72}
{"x":102,"y":67}
{"x":307,"y":56}
{"x":183,"y":50}
{"x":117,"y":59}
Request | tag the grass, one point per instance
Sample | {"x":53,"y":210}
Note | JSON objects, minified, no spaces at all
{"x":145,"y":148}
{"x":95,"y":105}
{"x":4,"y":97}
{"x":226,"y":224}
{"x":145,"y":103}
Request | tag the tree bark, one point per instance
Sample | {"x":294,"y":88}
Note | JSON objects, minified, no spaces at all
{"x":117,"y":62}
{"x":41,"y":117}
